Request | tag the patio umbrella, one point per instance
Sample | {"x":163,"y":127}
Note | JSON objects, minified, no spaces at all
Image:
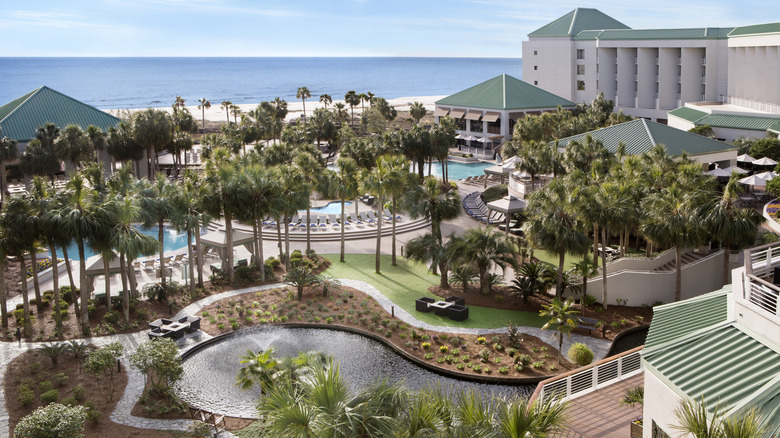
{"x":764,"y":162}
{"x":768,"y":176}
{"x":745,"y":158}
{"x":509,"y":163}
{"x":731,"y":169}
{"x":754,"y":180}
{"x":459,"y":136}
{"x":719,"y":173}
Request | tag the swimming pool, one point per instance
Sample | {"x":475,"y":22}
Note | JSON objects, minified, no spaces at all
{"x":458,"y":170}
{"x":332,"y":208}
{"x":173,"y":240}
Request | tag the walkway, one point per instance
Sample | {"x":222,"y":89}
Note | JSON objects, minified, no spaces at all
{"x":135,"y":384}
{"x":600,"y":414}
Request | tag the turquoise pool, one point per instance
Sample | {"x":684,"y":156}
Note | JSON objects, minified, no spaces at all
{"x":332,"y":208}
{"x":173,"y":240}
{"x":458,"y":170}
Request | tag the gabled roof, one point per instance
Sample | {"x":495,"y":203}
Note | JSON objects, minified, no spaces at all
{"x":21,"y":118}
{"x":672,"y":321}
{"x":732,"y":121}
{"x":755,"y":29}
{"x":640,"y":136}
{"x":700,"y":33}
{"x":576,"y":21}
{"x":505,"y":92}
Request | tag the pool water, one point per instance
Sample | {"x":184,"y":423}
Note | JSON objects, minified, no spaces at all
{"x":458,"y":170}
{"x":173,"y":240}
{"x":332,"y":208}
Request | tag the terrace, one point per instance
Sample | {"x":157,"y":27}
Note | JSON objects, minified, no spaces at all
{"x":757,"y":290}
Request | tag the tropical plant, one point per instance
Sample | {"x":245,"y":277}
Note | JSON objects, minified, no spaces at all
{"x":156,"y":208}
{"x":73,"y":145}
{"x":303,"y":94}
{"x":53,"y":420}
{"x":203,"y":105}
{"x":464,"y":274}
{"x":484,"y":249}
{"x":531,"y":278}
{"x":53,"y":351}
{"x":37,"y":159}
{"x":301,"y":277}
{"x":428,"y":249}
{"x":328,"y":283}
{"x":326,"y":100}
{"x":561,"y":316}
{"x":432,"y":201}
{"x":697,"y":420}
{"x":586,"y":269}
{"x":352,"y":99}
{"x":225,"y":105}
{"x":257,"y":368}
{"x":343,"y":184}
{"x":634,"y":396}
{"x":152,"y":131}
{"x":417,"y":111}
{"x":8,"y":153}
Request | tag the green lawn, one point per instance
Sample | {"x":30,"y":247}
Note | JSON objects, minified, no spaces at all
{"x":552,"y":259}
{"x":408,"y":281}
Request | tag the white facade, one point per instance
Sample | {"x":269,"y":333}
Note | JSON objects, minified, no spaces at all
{"x":649,"y":72}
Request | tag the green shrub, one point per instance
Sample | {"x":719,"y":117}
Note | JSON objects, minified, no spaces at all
{"x":79,"y":393}
{"x":495,"y":192}
{"x":111,"y":317}
{"x":590,"y":300}
{"x":523,"y":359}
{"x":444,"y":349}
{"x":33,"y":368}
{"x":45,"y":385}
{"x":93,"y":415}
{"x":53,"y":420}
{"x":234,"y":326}
{"x":60,"y":379}
{"x":50,"y":396}
{"x":70,"y":401}
{"x":91,"y":310}
{"x":26,"y":395}
{"x":580,"y":354}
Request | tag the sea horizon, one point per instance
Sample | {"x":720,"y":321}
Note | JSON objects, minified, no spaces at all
{"x":141,"y":82}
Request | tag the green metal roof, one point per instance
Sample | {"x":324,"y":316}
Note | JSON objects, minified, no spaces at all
{"x":576,"y":21}
{"x":687,"y":113}
{"x":505,"y":93}
{"x":725,"y":366}
{"x":733,"y":121}
{"x":671,"y":321}
{"x":700,"y":33}
{"x":755,"y":29}
{"x":640,"y":136}
{"x":21,"y":118}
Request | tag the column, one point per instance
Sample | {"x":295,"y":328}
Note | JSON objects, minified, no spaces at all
{"x":646,"y":77}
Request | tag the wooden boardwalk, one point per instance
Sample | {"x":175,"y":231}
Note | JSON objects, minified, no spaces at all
{"x":600,"y":413}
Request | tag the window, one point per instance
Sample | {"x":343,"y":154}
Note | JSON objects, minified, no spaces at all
{"x":580,"y":69}
{"x":580,"y":53}
{"x":535,"y":53}
{"x":581,"y":85}
{"x":536,"y":82}
{"x":536,"y":67}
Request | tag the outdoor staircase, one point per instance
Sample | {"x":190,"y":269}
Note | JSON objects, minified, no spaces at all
{"x":687,"y":258}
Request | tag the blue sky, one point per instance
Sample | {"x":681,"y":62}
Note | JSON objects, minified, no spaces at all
{"x":490,"y":28}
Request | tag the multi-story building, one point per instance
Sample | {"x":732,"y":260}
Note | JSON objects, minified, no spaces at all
{"x":648,"y":72}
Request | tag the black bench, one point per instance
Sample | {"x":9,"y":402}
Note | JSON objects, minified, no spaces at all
{"x":421,"y":305}
{"x":457,"y":300}
{"x":458,"y":312}
{"x":587,"y":323}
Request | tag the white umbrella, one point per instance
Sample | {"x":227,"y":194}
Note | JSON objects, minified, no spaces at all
{"x":768,"y":176}
{"x":482,"y":140}
{"x":745,"y":158}
{"x":459,"y":136}
{"x":510,"y":162}
{"x":469,"y":138}
{"x":719,"y":173}
{"x":754,"y":180}
{"x":765,"y":162}
{"x":731,"y":169}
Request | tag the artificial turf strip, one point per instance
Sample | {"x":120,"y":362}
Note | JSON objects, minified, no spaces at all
{"x":408,"y":281}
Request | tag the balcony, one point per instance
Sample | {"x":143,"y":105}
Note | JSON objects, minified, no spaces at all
{"x":762,"y":272}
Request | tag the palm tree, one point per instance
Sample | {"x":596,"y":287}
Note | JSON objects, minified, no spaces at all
{"x":73,"y":145}
{"x":203,"y":105}
{"x":301,"y":277}
{"x":311,"y":170}
{"x":396,"y":187}
{"x":263,"y":193}
{"x":417,"y":111}
{"x":8,"y":152}
{"x":553,"y":224}
{"x":47,"y":134}
{"x":222,"y":198}
{"x":673,"y":217}
{"x":352,"y":99}
{"x":293,"y":196}
{"x":156,"y":208}
{"x":187,"y":216}
{"x":611,"y":206}
{"x":344,"y":185}
{"x":376,"y":181}
{"x":586,"y":269}
{"x":463,"y":274}
{"x":561,"y":316}
{"x":736,"y":227}
{"x":18,"y":237}
{"x":697,"y":420}
{"x":485,"y":249}
{"x":303,"y":94}
{"x":37,"y":159}
{"x":152,"y":131}
{"x":340,"y":112}
{"x":236,"y":111}
{"x":428,"y":249}
{"x":531,"y":278}
{"x":258,"y":367}
{"x":225,"y":105}
{"x":433,"y":202}
{"x":98,"y":139}
{"x":326,"y":100}
{"x":534,"y":159}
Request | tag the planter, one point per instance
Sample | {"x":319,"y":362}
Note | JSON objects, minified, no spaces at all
{"x":636,"y":428}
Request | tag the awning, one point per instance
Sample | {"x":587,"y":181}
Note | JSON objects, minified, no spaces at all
{"x":491,"y":116}
{"x":473,"y":115}
{"x":441,"y":112}
{"x":457,"y":113}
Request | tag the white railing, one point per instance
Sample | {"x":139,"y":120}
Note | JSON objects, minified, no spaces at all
{"x":761,"y":262}
{"x":592,"y":377}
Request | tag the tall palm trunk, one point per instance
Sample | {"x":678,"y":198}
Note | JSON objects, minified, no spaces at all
{"x":604,"y":271}
{"x":279,"y":238}
{"x":25,"y":300}
{"x":189,"y":259}
{"x":343,"y":218}
{"x":308,"y":228}
{"x":559,"y":281}
{"x":260,"y":254}
{"x":3,"y":182}
{"x":55,"y":285}
{"x":677,"y":273}
{"x":393,"y":239}
{"x":131,"y":279}
{"x":161,"y":238}
{"x":199,"y":258}
{"x":69,"y":270}
{"x":254,"y":243}
{"x":107,"y":276}
{"x":380,"y":202}
{"x":125,"y":293}
{"x":443,"y":280}
{"x":484,"y":284}
{"x":229,"y":231}
{"x":287,"y":242}
{"x":595,"y":244}
{"x":3,"y":293}
{"x":36,"y":284}
{"x":83,"y":286}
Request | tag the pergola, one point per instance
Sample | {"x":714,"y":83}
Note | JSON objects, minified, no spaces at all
{"x":502,"y":170}
{"x":217,"y":239}
{"x":95,"y":269}
{"x":508,"y":205}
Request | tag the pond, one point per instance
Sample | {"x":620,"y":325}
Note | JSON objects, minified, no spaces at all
{"x":210,"y":374}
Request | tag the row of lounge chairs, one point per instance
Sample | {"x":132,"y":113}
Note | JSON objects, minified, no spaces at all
{"x":333,"y":221}
{"x":175,"y":260}
{"x":477,"y":209}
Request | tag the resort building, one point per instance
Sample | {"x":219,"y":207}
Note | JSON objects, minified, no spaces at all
{"x":21,"y":118}
{"x":722,"y":348}
{"x":486,"y":113}
{"x":648,"y":72}
{"x":725,"y":124}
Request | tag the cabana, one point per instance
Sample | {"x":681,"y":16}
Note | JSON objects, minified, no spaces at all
{"x":502,"y":170}
{"x":217,"y":239}
{"x":508,"y":205}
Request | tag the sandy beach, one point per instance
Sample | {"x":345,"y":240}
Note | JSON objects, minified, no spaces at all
{"x":295,"y":107}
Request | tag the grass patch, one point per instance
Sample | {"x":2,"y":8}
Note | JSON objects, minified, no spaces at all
{"x":408,"y":281}
{"x":552,"y":259}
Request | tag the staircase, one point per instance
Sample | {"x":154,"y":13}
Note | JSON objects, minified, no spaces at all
{"x":687,"y":258}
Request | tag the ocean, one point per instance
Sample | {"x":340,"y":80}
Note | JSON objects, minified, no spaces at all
{"x":110,"y":83}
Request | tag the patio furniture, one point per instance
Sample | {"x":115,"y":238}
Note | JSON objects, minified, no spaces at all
{"x":440,"y":307}
{"x":458,"y":312}
{"x":456,"y":300}
{"x":586,"y":323}
{"x":193,"y":323}
{"x":157,"y":323}
{"x":421,"y":305}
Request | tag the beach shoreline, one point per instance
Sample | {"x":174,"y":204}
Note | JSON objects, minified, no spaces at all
{"x":295,"y":108}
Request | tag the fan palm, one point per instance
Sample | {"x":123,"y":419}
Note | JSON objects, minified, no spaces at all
{"x":326,"y":100}
{"x":19,"y":238}
{"x":203,"y":105}
{"x":344,"y":183}
{"x":263,"y":192}
{"x":611,"y":208}
{"x":188,"y":216}
{"x":586,"y":269}
{"x":73,"y":145}
{"x":225,"y":105}
{"x":530,"y":279}
{"x":561,"y":316}
{"x":37,"y":159}
{"x":294,"y":196}
{"x":463,"y":274}
{"x":8,"y":152}
{"x":428,"y":249}
{"x":432,"y":201}
{"x":417,"y":111}
{"x":303,"y":94}
{"x":352,"y":99}
{"x":311,"y":171}
{"x":156,"y":208}
{"x":223,"y":198}
{"x":485,"y":249}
